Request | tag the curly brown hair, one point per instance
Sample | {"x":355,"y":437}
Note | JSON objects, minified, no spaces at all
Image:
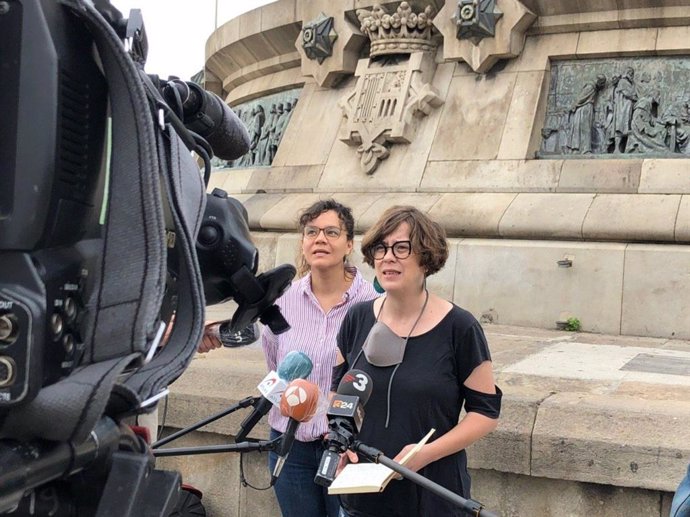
{"x":315,"y":210}
{"x":428,"y":238}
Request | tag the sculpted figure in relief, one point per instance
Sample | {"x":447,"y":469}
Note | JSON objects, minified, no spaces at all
{"x":582,"y":117}
{"x":625,"y":97}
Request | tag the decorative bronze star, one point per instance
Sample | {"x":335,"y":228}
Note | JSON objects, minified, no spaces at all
{"x":318,"y":37}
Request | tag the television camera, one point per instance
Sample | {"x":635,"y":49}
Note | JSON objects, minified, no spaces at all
{"x":106,"y":232}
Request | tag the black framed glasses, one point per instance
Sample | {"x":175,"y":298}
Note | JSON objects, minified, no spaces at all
{"x":331,"y":232}
{"x":400,"y":249}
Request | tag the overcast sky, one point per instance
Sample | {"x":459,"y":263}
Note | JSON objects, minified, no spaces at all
{"x":177,"y":30}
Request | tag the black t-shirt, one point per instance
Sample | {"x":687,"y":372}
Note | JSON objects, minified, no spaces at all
{"x":427,"y":391}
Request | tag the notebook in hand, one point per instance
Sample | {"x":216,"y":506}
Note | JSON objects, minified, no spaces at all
{"x":361,"y":478}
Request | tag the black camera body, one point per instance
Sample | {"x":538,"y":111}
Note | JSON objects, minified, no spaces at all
{"x":101,"y":206}
{"x":52,"y":159}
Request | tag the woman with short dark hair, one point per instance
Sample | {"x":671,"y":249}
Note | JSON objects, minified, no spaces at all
{"x":427,"y":358}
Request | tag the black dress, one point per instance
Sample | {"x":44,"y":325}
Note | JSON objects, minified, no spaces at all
{"x":427,"y":391}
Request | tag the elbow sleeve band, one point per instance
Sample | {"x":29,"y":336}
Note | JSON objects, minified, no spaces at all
{"x":487,"y":404}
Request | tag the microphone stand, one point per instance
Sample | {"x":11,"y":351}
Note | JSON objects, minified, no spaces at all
{"x":244,"y":403}
{"x":468,"y":505}
{"x":247,"y":446}
{"x":260,"y":446}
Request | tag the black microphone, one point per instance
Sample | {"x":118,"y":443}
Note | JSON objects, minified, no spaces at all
{"x":295,"y":365}
{"x":345,"y":415}
{"x":208,"y":116}
{"x":299,"y":403}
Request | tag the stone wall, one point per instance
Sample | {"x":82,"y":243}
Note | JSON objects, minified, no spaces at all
{"x":575,"y":446}
{"x":471,"y":162}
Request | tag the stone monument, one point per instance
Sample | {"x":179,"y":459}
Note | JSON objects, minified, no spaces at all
{"x":551,"y":138}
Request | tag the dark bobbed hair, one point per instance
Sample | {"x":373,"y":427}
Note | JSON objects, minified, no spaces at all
{"x":310,"y":213}
{"x":428,"y":238}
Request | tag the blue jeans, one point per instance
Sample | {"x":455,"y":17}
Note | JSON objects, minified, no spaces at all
{"x":298,"y":495}
{"x":680,"y":507}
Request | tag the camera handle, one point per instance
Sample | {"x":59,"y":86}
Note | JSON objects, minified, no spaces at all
{"x":470,"y":506}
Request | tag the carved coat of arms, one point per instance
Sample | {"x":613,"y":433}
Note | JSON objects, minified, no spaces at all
{"x":394,"y":90}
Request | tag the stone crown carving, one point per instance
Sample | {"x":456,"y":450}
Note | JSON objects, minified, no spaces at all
{"x":402,"y":32}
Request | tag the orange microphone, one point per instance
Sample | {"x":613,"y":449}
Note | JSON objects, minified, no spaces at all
{"x":300,"y":400}
{"x":299,"y":403}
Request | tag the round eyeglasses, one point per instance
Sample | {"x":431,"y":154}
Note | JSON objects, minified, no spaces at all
{"x":400,"y":249}
{"x":331,"y":232}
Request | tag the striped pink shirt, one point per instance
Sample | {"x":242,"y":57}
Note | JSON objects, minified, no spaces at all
{"x":313,"y":333}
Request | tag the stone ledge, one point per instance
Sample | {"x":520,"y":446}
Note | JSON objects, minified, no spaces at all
{"x":525,"y":215}
{"x":579,"y":429}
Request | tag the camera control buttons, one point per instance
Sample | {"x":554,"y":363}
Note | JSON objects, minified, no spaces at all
{"x":68,"y":343}
{"x":57,"y":324}
{"x":8,"y":371}
{"x":209,"y":235}
{"x":70,"y":309}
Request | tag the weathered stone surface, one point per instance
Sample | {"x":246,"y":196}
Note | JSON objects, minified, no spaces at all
{"x":203,"y":472}
{"x":619,"y":176}
{"x":656,"y":16}
{"x":666,"y":305}
{"x":423,"y":202}
{"x":507,"y":449}
{"x":250,"y":23}
{"x":556,"y":216}
{"x":614,"y":43}
{"x":283,"y":216}
{"x":522,"y":130}
{"x":673,"y":40}
{"x":683,"y":221}
{"x":274,"y":14}
{"x":575,"y":22}
{"x":474,"y":115}
{"x":541,"y":49}
{"x":257,"y":206}
{"x":630,"y":217}
{"x":359,"y":203}
{"x":442,"y":282}
{"x":583,"y":428}
{"x":492,"y":176}
{"x":257,"y":86}
{"x":512,"y":495}
{"x":313,"y":128}
{"x":207,"y":379}
{"x":231,"y":180}
{"x":284,"y":179}
{"x":670,"y":176}
{"x":471,"y":214}
{"x":288,"y":248}
{"x":613,"y":440}
{"x":266,"y":243}
{"x":254,"y":503}
{"x":590,"y":289}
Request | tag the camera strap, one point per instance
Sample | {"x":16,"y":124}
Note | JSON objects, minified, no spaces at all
{"x":131,"y":277}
